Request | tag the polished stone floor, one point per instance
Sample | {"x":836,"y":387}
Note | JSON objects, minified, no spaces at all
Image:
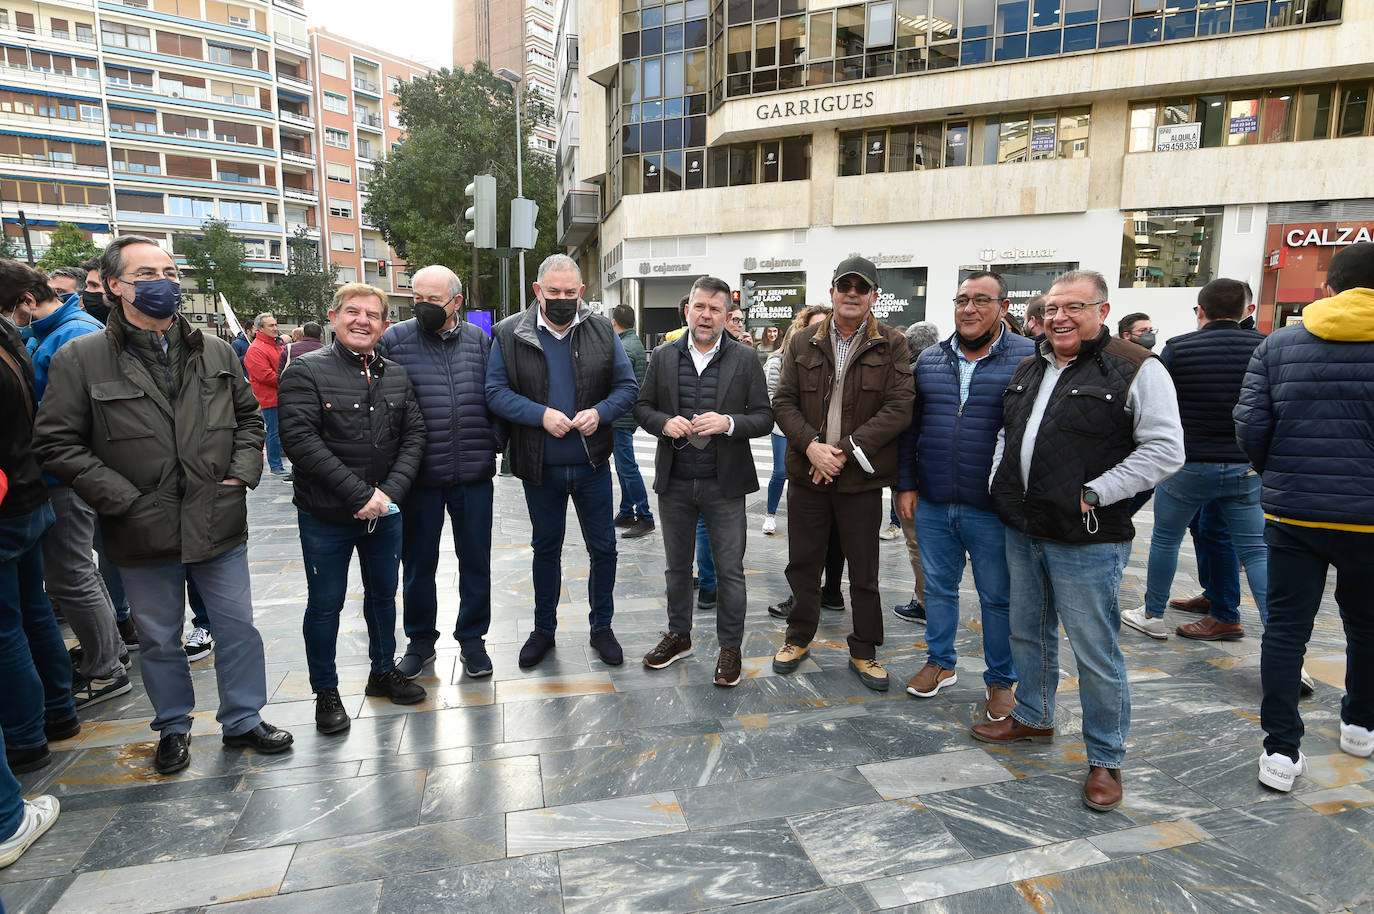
{"x":580,"y":788}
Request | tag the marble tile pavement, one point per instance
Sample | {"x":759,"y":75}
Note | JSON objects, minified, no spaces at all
{"x":575,"y":787}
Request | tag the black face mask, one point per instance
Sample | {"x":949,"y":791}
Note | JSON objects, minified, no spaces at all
{"x":978,"y":342}
{"x":560,"y":311}
{"x":94,"y":303}
{"x":431,"y":317}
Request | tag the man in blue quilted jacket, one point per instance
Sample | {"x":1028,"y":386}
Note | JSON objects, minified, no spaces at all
{"x":946,"y":457}
{"x":1306,"y":420}
{"x":446,"y":359}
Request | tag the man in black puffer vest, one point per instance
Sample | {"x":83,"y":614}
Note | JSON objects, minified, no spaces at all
{"x":560,"y":376}
{"x":1208,"y":366}
{"x":352,"y":428}
{"x":1088,"y":421}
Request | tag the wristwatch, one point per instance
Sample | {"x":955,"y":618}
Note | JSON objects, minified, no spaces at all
{"x":1090,"y":498}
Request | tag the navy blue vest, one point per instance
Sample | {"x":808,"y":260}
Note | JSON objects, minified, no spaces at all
{"x":1208,"y":367}
{"x":696,"y":393}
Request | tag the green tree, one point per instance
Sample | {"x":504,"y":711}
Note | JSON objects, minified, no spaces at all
{"x":217,"y":259}
{"x":460,"y":123}
{"x":69,"y":247}
{"x":305,"y":292}
{"x":9,"y":248}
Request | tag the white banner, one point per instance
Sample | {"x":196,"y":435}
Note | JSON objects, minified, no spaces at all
{"x":235,"y":328}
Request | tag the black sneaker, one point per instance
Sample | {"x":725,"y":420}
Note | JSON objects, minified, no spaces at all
{"x":22,"y":761}
{"x":781,"y":609}
{"x":395,"y":687}
{"x":706,"y":599}
{"x":476,"y":660}
{"x":536,"y":646}
{"x":625,"y":521}
{"x":413,"y":663}
{"x":832,"y":601}
{"x":330,"y":716}
{"x":58,"y":730}
{"x":128,"y":633}
{"x":912,"y":612}
{"x":607,"y":648}
{"x":640,"y":528}
{"x":672,"y":648}
{"x":87,"y":692}
{"x":728,"y":667}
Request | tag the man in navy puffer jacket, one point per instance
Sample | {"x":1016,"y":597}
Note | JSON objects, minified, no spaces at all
{"x":446,"y":359}
{"x":958,"y":412}
{"x":1306,"y":420}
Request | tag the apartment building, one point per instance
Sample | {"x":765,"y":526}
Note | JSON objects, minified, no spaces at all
{"x":358,"y":123}
{"x":579,"y":202}
{"x":516,"y":34}
{"x":1161,"y":144}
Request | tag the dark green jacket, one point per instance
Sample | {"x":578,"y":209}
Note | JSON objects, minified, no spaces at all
{"x":153,"y":469}
{"x":639,"y":361}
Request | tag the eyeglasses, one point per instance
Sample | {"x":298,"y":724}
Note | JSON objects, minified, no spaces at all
{"x":981,"y":302}
{"x":736,"y":320}
{"x":856,"y":285}
{"x":146,"y":273}
{"x":1073,"y":308}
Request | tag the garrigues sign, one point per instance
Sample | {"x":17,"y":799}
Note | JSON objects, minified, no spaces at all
{"x":819,"y":104}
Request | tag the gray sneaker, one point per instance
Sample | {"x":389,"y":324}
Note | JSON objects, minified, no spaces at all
{"x":87,"y":691}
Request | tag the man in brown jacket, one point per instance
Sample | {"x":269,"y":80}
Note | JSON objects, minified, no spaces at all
{"x":844,"y":398}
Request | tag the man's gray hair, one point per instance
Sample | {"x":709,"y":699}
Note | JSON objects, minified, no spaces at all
{"x":258,"y":321}
{"x":921,"y":336}
{"x":1097,"y":279}
{"x":455,"y":285}
{"x":112,"y":259}
{"x":76,"y":274}
{"x":559,"y":263}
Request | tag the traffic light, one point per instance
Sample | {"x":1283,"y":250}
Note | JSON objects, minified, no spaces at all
{"x":381,"y":268}
{"x":482,"y":213}
{"x":523,"y":213}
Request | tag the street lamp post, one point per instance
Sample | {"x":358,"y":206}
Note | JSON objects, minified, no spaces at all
{"x":515,"y":79}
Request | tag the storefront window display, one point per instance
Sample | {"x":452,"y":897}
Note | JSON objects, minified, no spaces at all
{"x":771,"y":300}
{"x":1297,"y":255}
{"x":1170,"y":248}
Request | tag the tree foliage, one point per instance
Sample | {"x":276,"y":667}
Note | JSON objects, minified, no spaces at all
{"x":305,"y":292}
{"x":460,"y":123}
{"x":217,"y":259}
{"x":69,"y":247}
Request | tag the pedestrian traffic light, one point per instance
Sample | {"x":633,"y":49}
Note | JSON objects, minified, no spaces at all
{"x":482,"y":214}
{"x":523,"y":233}
{"x":381,"y":268}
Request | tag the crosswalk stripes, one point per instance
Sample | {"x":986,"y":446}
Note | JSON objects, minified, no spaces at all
{"x":646,"y":445}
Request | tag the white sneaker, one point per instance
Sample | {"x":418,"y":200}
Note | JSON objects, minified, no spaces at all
{"x":890,"y":532}
{"x":1279,"y":771}
{"x":770,"y":525}
{"x":1357,"y":741}
{"x":39,"y":815}
{"x":1138,"y":620}
{"x":1309,"y":685}
{"x":200,"y":644}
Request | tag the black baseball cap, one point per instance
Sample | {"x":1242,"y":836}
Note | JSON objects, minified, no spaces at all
{"x":861,"y":267}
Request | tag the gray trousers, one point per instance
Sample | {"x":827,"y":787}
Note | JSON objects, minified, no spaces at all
{"x":678,"y":509}
{"x":74,"y":584}
{"x":157,"y":594}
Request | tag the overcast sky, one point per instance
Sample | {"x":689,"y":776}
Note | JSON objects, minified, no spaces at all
{"x":420,"y":30}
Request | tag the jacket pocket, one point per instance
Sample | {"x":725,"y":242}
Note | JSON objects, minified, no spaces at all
{"x":1091,"y":411}
{"x":123,"y":410}
{"x":151,"y":527}
{"x":217,"y":401}
{"x":229,"y":516}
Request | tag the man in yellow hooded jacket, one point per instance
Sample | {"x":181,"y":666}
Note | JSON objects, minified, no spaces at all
{"x":1306,"y":420}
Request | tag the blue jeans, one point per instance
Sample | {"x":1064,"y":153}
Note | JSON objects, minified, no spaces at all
{"x":328,"y":549}
{"x":11,"y":800}
{"x":1075,"y":585}
{"x":947,"y":533}
{"x":269,"y":415}
{"x":779,"y":477}
{"x":200,"y":616}
{"x":422,"y":523}
{"x":634,"y":498}
{"x":590,"y":490}
{"x":34,"y":667}
{"x":1218,"y":567}
{"x":1298,"y":561}
{"x":706,"y":563}
{"x":1236,"y":489}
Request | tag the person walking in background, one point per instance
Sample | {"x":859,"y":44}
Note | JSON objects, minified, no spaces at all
{"x":634,"y":514}
{"x":261,"y":362}
{"x":309,"y":340}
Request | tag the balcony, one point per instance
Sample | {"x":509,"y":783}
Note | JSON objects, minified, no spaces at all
{"x":292,"y":119}
{"x":374,"y":251}
{"x":291,"y":41}
{"x":293,"y":157}
{"x":368,"y":121}
{"x":37,"y":35}
{"x":56,"y":212}
{"x":367,"y":85}
{"x":302,"y":194}
{"x":569,"y":61}
{"x":578,"y":217}
{"x":294,"y":82}
{"x":63,"y":126}
{"x":50,"y":166}
{"x":569,"y":138}
{"x":312,"y":232}
{"x":30,"y":77}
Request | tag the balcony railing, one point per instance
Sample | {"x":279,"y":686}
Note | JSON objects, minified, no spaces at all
{"x":40,"y":32}
{"x":298,"y":158}
{"x":367,"y":120}
{"x":292,"y":40}
{"x":54,"y":164}
{"x":366,"y":85}
{"x":300,"y":193}
{"x":374,"y":252}
{"x":291,"y":79}
{"x":578,"y":217}
{"x":70,"y":80}
{"x":291,"y":117}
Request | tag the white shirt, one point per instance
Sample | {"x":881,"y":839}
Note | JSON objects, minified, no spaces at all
{"x":701,"y":359}
{"x":557,"y":334}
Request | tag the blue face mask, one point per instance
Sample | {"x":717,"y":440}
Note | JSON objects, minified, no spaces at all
{"x":157,"y":298}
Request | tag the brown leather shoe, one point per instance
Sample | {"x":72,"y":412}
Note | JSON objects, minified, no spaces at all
{"x":1102,"y":789}
{"x":1010,"y":730}
{"x":1209,"y":629}
{"x":1197,"y":604}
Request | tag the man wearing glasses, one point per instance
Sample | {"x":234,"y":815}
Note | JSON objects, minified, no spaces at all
{"x":446,"y":359}
{"x":959,"y":385}
{"x":844,"y":397}
{"x":1088,"y":421}
{"x":155,"y":427}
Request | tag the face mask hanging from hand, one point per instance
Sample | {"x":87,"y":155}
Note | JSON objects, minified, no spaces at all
{"x":157,"y":298}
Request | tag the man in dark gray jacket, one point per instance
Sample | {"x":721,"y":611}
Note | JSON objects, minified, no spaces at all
{"x":155,"y":427}
{"x":704,"y":397}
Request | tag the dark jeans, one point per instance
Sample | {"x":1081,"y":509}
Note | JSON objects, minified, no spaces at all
{"x":1218,"y":566}
{"x":589,"y":488}
{"x":328,"y":549}
{"x":810,"y":514}
{"x":200,"y":616}
{"x":679,"y":508}
{"x":469,"y":507}
{"x":779,"y":477}
{"x":1298,"y":561}
{"x":634,"y":498}
{"x":11,"y":800}
{"x":269,"y":416}
{"x":34,"y":667}
{"x":706,"y":564}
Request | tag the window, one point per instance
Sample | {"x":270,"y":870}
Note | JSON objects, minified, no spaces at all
{"x":342,"y":241}
{"x":85,"y":32}
{"x":339,"y":171}
{"x":393,"y":117}
{"x":364,"y":149}
{"x":136,"y":161}
{"x":1253,"y":117}
{"x":1171,"y":248}
{"x":336,"y":138}
{"x":241,"y":211}
{"x":336,"y":103}
{"x":127,"y":36}
{"x":346,"y":274}
{"x":393,"y":84}
{"x":128,"y":202}
{"x":333,"y":66}
{"x":191,"y":207}
{"x":343,"y":209}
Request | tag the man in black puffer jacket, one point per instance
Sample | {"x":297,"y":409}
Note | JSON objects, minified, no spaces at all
{"x":352,"y":427}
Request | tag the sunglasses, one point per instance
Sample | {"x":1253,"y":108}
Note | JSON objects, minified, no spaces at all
{"x":857,"y":285}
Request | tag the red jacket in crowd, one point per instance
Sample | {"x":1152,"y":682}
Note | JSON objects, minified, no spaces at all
{"x":261,"y":364}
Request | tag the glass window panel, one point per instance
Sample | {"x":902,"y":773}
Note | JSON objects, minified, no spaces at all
{"x":1114,"y":9}
{"x":1214,"y":21}
{"x":629,"y":22}
{"x":1170,"y":248}
{"x":738,"y":11}
{"x":1010,"y":47}
{"x":672,"y":170}
{"x":719,"y":158}
{"x":741,"y":49}
{"x":851,"y":152}
{"x":694,"y":34}
{"x":651,"y":111}
{"x":849,"y":31}
{"x":741,"y":164}
{"x":881,"y":64}
{"x":793,"y":77}
{"x":820,"y":74}
{"x":901,"y":148}
{"x":765,"y":9}
{"x":672,"y":133}
{"x":789,"y":7}
{"x":696,"y":104}
{"x":672,"y":12}
{"x":791,"y":40}
{"x":737,"y":85}
{"x":770,"y":166}
{"x":820,"y":40}
{"x":1211,"y":113}
{"x":849,"y":68}
{"x":652,"y":177}
{"x":875,"y":152}
{"x":672,"y":75}
{"x":1042,"y":139}
{"x":913,"y":18}
{"x":1182,"y":25}
{"x":672,"y":107}
{"x":1113,"y":34}
{"x":653,"y":77}
{"x":1012,"y":16}
{"x":651,"y":41}
{"x":1045,"y":12}
{"x":1354,"y":105}
{"x":694,"y":74}
{"x":991,"y":128}
{"x":765,"y":80}
{"x":1047,"y":41}
{"x":1176,"y":111}
{"x":1078,"y":12}
{"x":629,"y":45}
{"x":672,"y":38}
{"x":629,"y":144}
{"x":695,"y":134}
{"x":1243,"y":126}
{"x":943,"y":56}
{"x":1013,"y":139}
{"x":956,"y":144}
{"x":911,"y":61}
{"x":651,"y":136}
{"x":978,"y":16}
{"x":1074,"y":124}
{"x":1249,"y":16}
{"x":694,"y":169}
{"x":929,"y":141}
{"x":971,"y":52}
{"x":694,"y":9}
{"x":630,"y":89}
{"x":1314,"y":112}
{"x":1146,"y":29}
{"x":651,"y":18}
{"x":944,"y":19}
{"x":766,"y":45}
{"x":1142,"y":128}
{"x":796,"y":158}
{"x":881,"y":25}
{"x":1276,"y":115}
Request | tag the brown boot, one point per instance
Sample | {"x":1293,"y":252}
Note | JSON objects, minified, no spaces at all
{"x":1102,"y":789}
{"x":1209,"y":629}
{"x":1010,"y":730}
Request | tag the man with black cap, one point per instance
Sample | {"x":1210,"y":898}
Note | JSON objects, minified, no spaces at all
{"x":844,"y":397}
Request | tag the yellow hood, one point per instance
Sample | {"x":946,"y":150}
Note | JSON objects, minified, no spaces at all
{"x":1347,"y":317}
